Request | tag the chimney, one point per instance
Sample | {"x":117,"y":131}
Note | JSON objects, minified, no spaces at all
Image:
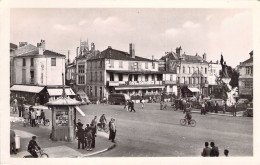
{"x":77,"y":52}
{"x":204,"y":56}
{"x":179,"y":50}
{"x":41,"y":47}
{"x":22,"y":44}
{"x":132,"y":50}
{"x":251,"y":54}
{"x":109,"y":47}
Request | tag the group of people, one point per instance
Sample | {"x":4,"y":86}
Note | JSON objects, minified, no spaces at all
{"x":213,"y":151}
{"x":17,"y":105}
{"x":129,"y":106}
{"x":34,"y":116}
{"x":86,"y":137}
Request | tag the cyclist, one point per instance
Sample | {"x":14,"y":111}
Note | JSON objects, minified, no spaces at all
{"x":188,"y":113}
{"x":33,"y":146}
{"x":103,"y":120}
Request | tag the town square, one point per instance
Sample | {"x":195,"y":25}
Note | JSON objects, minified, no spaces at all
{"x":131,"y":83}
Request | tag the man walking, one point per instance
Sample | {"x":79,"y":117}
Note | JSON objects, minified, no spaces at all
{"x":113,"y":128}
{"x":94,"y":122}
{"x":93,"y":131}
{"x":234,"y":110}
{"x":33,"y":117}
{"x":203,"y":111}
{"x":132,"y":106}
{"x":110,"y":130}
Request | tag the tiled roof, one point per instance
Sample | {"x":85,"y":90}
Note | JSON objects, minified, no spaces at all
{"x":170,"y":56}
{"x":190,"y":58}
{"x":250,"y":60}
{"x":110,"y":53}
{"x":31,"y":50}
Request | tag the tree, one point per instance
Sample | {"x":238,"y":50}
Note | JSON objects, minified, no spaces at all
{"x":233,"y":74}
{"x":221,"y":91}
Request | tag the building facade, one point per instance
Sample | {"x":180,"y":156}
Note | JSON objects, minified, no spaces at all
{"x":192,"y":72}
{"x":38,"y":72}
{"x":213,"y":75}
{"x":245,"y":81}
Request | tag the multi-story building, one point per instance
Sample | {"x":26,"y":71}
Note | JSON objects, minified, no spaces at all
{"x":13,"y":47}
{"x":192,"y":72}
{"x":245,"y":81}
{"x":38,"y":72}
{"x":71,"y":75}
{"x":213,"y":75}
{"x":115,"y":71}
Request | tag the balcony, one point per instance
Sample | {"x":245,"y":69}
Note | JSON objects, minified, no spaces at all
{"x":134,"y":83}
{"x":168,"y":82}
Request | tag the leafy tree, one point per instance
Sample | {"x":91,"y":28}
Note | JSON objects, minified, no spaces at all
{"x":233,"y":74}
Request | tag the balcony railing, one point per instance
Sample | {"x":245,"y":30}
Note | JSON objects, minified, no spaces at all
{"x":134,"y":83}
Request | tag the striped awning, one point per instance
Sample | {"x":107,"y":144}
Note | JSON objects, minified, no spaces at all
{"x":27,"y":88}
{"x":58,"y":92}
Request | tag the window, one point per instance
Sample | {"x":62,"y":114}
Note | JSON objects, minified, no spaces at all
{"x":96,"y":77}
{"x":90,"y":76}
{"x":96,"y":91}
{"x":171,"y":78}
{"x":81,"y":68}
{"x":53,"y":61}
{"x":178,"y":79}
{"x":146,"y":77}
{"x":153,"y":65}
{"x":135,"y":77}
{"x":81,"y":79}
{"x":201,"y":80}
{"x":101,"y":76}
{"x":248,"y":84}
{"x":111,"y":76}
{"x":130,"y":77}
{"x":32,"y":76}
{"x":146,"y":65}
{"x":32,"y":61}
{"x":101,"y":64}
{"x":190,"y":80}
{"x":183,"y":69}
{"x":120,"y":77}
{"x":189,"y":69}
{"x":201,"y":69}
{"x":159,"y":77}
{"x":153,"y":77}
{"x":184,"y":80}
{"x":111,"y":64}
{"x":198,"y":69}
{"x":206,"y":81}
{"x":24,"y":62}
{"x":120,"y":64}
{"x":192,"y":69}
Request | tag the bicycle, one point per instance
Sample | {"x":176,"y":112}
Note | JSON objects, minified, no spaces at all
{"x":47,"y":123}
{"x":183,"y":122}
{"x":40,"y":153}
{"x":99,"y":128}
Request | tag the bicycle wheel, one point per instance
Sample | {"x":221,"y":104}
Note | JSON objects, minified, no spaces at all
{"x":47,"y":122}
{"x":192,"y":123}
{"x":44,"y":155}
{"x":183,"y":122}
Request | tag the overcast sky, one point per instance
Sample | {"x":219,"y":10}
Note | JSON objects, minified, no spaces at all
{"x":153,"y":31}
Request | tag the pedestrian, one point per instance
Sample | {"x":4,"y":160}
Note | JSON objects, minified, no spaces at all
{"x":142,"y":102}
{"x":203,"y":111}
{"x":102,"y":121}
{"x":38,"y":115}
{"x":225,"y":107}
{"x":94,"y":122}
{"x":214,"y":150}
{"x":15,"y":105}
{"x":206,"y":107}
{"x":217,"y":107}
{"x":226,"y":152}
{"x":113,"y":128}
{"x":33,"y":117}
{"x":42,"y":117}
{"x":89,"y":139}
{"x":30,"y":115}
{"x":93,"y":131}
{"x":184,"y":105}
{"x":78,"y":125}
{"x":12,"y":142}
{"x":132,"y":106}
{"x":234,"y":110}
{"x":126,"y":105}
{"x":206,"y":150}
{"x":81,"y":136}
{"x":110,"y":130}
{"x":161,"y":105}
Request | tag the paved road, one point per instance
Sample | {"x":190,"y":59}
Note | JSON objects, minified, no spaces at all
{"x":155,"y":133}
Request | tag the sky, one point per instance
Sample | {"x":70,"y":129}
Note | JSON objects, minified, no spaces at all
{"x":153,"y":31}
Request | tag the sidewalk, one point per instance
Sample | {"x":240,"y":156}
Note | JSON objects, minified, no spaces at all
{"x":59,"y":149}
{"x":239,"y":114}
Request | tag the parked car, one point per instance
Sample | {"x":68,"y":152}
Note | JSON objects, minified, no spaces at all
{"x":83,"y":97}
{"x":118,"y":98}
{"x":242,"y":104}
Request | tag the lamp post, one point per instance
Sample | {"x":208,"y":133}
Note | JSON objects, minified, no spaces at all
{"x":180,"y":59}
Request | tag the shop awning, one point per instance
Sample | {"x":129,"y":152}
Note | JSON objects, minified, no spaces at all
{"x":80,"y":111}
{"x":140,"y":87}
{"x":58,"y":92}
{"x":27,"y":88}
{"x":193,"y":89}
